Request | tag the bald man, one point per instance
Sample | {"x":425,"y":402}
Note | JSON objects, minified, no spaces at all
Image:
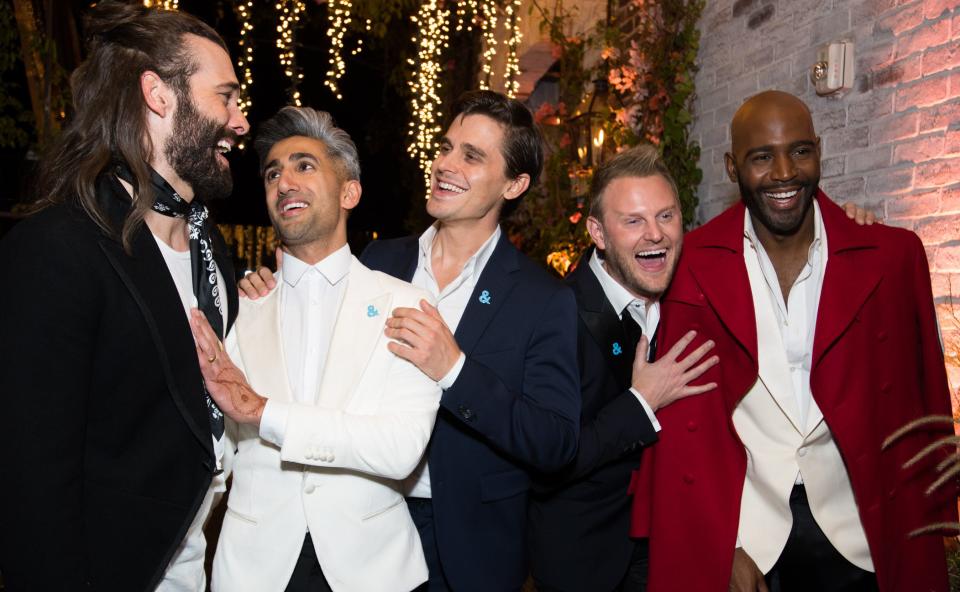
{"x":828,"y":343}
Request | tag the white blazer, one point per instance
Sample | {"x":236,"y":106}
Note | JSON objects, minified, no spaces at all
{"x":338,"y":472}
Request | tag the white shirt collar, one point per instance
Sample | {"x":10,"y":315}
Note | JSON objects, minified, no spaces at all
{"x":333,"y":267}
{"x":619,"y":297}
{"x":751,"y":234}
{"x":473,"y":265}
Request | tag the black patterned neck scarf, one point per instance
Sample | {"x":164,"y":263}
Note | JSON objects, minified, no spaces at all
{"x":204,"y":269}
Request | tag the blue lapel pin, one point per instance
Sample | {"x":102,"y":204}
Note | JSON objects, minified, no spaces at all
{"x":372,"y":311}
{"x":617,"y":350}
{"x":484,"y":297}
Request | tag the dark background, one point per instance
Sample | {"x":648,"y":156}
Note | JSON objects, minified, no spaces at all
{"x":374,"y":110}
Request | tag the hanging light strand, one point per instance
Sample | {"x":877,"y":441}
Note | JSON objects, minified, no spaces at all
{"x":339,"y":17}
{"x":433,"y":25}
{"x":245,"y":60}
{"x":511,"y":72}
{"x":162,"y":4}
{"x":289,"y":15}
{"x":488,"y":32}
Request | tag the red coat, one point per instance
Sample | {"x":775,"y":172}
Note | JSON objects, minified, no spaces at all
{"x":877,"y":364}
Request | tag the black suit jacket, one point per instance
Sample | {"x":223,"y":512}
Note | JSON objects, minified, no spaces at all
{"x":105,"y":445}
{"x":579,"y":517}
{"x":512,"y":410}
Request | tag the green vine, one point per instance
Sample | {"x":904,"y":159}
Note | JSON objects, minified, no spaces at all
{"x":650,"y":71}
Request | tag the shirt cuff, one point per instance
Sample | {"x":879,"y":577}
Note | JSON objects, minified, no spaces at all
{"x":646,"y":407}
{"x":273,"y":422}
{"x":451,"y":377}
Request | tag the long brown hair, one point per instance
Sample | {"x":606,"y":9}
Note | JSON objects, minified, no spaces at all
{"x":109,"y":125}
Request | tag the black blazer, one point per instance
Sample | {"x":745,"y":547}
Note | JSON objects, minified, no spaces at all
{"x":105,"y":446}
{"x":579,"y":517}
{"x":513,"y":409}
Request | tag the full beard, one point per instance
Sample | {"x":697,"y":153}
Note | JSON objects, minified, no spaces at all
{"x":192,"y":152}
{"x":618,"y":265}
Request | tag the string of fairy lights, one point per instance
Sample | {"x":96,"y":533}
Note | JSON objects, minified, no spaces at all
{"x":432,"y":39}
{"x":162,"y":4}
{"x":288,"y":13}
{"x":245,"y":59}
{"x":433,"y":26}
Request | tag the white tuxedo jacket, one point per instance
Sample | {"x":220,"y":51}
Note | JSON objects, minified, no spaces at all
{"x":338,"y":471}
{"x":779,"y":445}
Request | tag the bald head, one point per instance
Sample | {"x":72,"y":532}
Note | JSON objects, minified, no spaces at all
{"x":775,"y":159}
{"x":768,"y":107}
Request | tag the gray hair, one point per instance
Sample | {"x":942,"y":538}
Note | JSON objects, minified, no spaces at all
{"x":319,"y":125}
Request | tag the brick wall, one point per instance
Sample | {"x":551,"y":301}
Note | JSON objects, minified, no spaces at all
{"x":892,"y":143}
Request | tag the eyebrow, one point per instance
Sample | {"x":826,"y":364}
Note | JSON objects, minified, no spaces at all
{"x":770,"y":148}
{"x":293,"y":157}
{"x":231,"y":86}
{"x":478,"y":150}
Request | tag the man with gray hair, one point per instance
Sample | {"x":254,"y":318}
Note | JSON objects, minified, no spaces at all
{"x":330,"y":419}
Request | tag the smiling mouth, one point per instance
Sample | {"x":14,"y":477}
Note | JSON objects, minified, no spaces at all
{"x":292,"y":208}
{"x":651,"y":260}
{"x":445,"y":186}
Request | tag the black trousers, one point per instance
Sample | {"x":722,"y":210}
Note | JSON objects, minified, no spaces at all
{"x":810,"y":562}
{"x":307,"y":575}
{"x":635,"y":580}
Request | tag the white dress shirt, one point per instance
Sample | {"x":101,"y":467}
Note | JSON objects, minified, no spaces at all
{"x":308,"y":313}
{"x":646,"y":314}
{"x":797,"y":317}
{"x":185,"y":571}
{"x":451,"y":302}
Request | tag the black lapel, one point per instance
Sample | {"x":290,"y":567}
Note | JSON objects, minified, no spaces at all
{"x":492,"y":290}
{"x":602,"y":322}
{"x":408,"y":259}
{"x":145,"y":275}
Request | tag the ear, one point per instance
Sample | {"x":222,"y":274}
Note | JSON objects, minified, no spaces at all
{"x":350,"y":194}
{"x":517,"y":186}
{"x":595,"y":228}
{"x":731,"y":166}
{"x":156,"y":93}
{"x":818,"y":147}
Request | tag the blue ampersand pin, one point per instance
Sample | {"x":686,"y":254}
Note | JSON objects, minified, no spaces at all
{"x":485,"y":297}
{"x":617,"y":350}
{"x":372,"y":311}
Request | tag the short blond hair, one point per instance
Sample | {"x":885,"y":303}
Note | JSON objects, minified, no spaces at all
{"x":642,"y":160}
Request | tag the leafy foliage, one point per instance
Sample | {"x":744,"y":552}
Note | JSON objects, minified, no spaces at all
{"x":650,"y":71}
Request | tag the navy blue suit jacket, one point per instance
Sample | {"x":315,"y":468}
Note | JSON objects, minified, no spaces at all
{"x":514,"y":409}
{"x":580,"y":516}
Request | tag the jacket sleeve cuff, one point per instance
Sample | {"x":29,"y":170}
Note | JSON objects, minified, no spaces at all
{"x":451,"y":376}
{"x":273,"y":422}
{"x":646,"y":407}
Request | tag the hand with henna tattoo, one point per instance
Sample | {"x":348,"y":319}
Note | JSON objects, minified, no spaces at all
{"x":225,"y":382}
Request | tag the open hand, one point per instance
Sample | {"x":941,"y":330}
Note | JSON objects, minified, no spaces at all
{"x":668,"y":379}
{"x":227,"y":385}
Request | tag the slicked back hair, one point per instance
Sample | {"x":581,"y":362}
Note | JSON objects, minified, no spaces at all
{"x":310,"y":123}
{"x":642,"y":160}
{"x":522,"y":148}
{"x":109,"y":125}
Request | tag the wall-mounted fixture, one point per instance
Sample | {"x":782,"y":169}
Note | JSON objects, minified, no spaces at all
{"x":833,"y":70}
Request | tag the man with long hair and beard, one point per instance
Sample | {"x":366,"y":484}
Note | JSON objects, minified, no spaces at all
{"x":109,"y":439}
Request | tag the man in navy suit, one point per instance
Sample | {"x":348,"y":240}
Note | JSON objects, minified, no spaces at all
{"x":579,"y":516}
{"x":501,"y":343}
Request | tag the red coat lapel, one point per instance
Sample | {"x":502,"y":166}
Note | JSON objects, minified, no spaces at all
{"x":850,"y":277}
